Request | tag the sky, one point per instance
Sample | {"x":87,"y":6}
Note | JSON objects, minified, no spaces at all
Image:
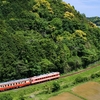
{"x":90,"y":8}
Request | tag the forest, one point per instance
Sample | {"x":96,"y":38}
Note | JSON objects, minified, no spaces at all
{"x":95,"y":20}
{"x":42,"y":36}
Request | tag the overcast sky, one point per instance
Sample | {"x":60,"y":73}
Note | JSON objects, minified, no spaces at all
{"x":90,"y":8}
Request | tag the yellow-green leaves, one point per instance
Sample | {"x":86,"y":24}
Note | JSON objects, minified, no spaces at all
{"x":80,"y":33}
{"x":92,"y":24}
{"x":68,"y":15}
{"x":44,"y":4}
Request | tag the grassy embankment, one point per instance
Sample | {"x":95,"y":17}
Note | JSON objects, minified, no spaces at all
{"x":44,"y":91}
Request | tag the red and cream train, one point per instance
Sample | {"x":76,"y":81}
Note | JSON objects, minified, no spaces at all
{"x":28,"y":81}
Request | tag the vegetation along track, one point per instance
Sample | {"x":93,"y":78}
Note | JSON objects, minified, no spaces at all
{"x":80,"y":71}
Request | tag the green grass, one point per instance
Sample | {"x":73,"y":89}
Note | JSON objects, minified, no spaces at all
{"x":37,"y":91}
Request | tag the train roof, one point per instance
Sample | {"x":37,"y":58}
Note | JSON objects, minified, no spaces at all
{"x":14,"y":81}
{"x":48,"y":74}
{"x":26,"y":79}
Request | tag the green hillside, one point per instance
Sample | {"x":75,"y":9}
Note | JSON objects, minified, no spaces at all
{"x":40,"y":36}
{"x":95,"y":20}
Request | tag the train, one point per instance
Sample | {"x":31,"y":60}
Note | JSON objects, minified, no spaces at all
{"x":28,"y":81}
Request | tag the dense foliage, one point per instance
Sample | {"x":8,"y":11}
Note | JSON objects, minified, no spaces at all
{"x":6,"y":97}
{"x":95,"y":20}
{"x":41,"y":36}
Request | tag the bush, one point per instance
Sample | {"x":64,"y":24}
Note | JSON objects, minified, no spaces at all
{"x":55,"y":87}
{"x":52,"y":87}
{"x":95,"y":75}
{"x":85,"y":79}
{"x":6,"y":97}
{"x":21,"y":97}
{"x":80,"y":79}
{"x":98,"y":74}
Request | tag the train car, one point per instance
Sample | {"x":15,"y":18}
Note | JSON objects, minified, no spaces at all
{"x":28,"y":81}
{"x":44,"y":77}
{"x":14,"y":84}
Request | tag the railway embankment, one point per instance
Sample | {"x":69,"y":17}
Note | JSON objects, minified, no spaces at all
{"x":65,"y":84}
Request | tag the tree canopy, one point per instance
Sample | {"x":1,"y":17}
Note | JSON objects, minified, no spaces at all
{"x":41,"y":36}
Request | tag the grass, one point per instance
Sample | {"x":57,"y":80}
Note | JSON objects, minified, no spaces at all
{"x":36,"y":92}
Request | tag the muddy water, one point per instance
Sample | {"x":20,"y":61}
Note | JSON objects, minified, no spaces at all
{"x":65,"y":96}
{"x":89,"y":90}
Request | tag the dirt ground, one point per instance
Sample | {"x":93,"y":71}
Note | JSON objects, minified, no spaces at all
{"x":89,"y":90}
{"x":65,"y":96}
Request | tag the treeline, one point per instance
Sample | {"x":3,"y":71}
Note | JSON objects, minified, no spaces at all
{"x":41,"y":36}
{"x":95,"y":20}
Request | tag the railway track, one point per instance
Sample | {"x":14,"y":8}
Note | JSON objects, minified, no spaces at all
{"x":71,"y":74}
{"x":78,"y":72}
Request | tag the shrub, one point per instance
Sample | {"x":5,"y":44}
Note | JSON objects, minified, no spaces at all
{"x":52,"y":87}
{"x":80,"y":79}
{"x":55,"y":87}
{"x":93,"y":75}
{"x":6,"y":97}
{"x":85,"y":79}
{"x":98,"y":74}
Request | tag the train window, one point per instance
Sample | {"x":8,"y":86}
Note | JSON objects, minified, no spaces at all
{"x":1,"y":86}
{"x":22,"y":82}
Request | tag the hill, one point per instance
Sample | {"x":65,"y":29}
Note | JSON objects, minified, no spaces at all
{"x":40,"y":36}
{"x":95,"y":20}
